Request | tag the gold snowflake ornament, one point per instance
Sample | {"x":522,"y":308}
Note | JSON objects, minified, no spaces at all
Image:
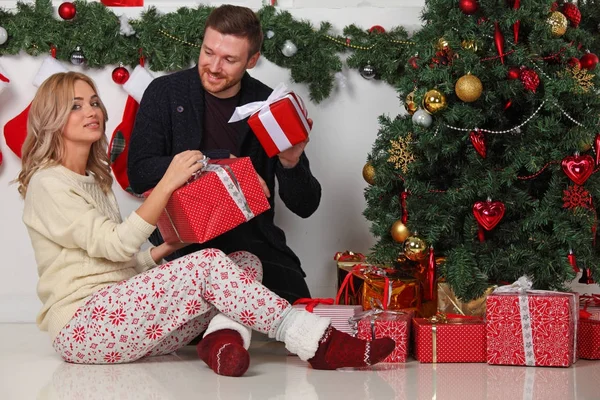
{"x":400,"y":154}
{"x":583,"y":79}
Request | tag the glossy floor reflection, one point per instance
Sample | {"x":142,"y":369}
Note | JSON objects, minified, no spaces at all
{"x":30,"y":370}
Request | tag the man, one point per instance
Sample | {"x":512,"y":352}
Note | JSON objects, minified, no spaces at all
{"x":189,"y":110}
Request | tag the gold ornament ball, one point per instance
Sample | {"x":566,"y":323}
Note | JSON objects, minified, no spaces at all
{"x":468,"y":88}
{"x":415,"y":248}
{"x":369,"y":173}
{"x":409,"y":103}
{"x":558,"y":23}
{"x":584,"y":146}
{"x":434,"y":101}
{"x":399,"y":232}
{"x":469,"y":45}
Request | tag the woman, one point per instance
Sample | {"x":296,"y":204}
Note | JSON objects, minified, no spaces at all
{"x":104,"y":300}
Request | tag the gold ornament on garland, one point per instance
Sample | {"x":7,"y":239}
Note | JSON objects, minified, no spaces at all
{"x":399,"y":232}
{"x":434,"y":101}
{"x":415,"y":248}
{"x":468,"y":88}
{"x":400,"y":154}
{"x":469,"y":45}
{"x":368,"y":173}
{"x":558,"y":23}
{"x":409,"y":103}
{"x":580,"y":75}
{"x":442,"y":45}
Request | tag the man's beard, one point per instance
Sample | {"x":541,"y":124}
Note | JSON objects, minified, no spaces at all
{"x":222,"y":86}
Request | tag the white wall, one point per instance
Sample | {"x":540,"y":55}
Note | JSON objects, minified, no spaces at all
{"x":345,"y":126}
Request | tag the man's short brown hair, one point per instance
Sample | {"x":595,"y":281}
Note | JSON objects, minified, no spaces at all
{"x":237,"y":21}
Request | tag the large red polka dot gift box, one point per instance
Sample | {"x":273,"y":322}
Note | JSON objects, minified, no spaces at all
{"x":225,"y":194}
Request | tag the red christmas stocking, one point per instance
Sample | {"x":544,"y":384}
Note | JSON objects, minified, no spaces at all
{"x":15,"y":130}
{"x":119,"y":142}
{"x":4,"y":81}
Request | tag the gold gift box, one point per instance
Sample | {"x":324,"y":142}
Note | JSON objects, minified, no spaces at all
{"x":448,"y":303}
{"x":403,"y":293}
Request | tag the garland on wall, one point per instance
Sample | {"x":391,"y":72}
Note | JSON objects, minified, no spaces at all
{"x":93,"y":34}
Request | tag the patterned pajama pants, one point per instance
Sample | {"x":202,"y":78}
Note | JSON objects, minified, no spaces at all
{"x":163,"y":309}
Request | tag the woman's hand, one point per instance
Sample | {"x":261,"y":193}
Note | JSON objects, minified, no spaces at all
{"x":182,"y":167}
{"x":163,"y":250}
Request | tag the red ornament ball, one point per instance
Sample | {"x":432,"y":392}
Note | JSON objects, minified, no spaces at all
{"x":67,"y":10}
{"x":120,"y":75}
{"x":530,"y":79}
{"x":572,"y":13}
{"x":514,"y":73}
{"x":469,"y":7}
{"x":589,"y":61}
{"x":574,"y":62}
{"x":377,"y":29}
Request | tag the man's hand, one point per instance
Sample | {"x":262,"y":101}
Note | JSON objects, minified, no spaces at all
{"x":290,"y":157}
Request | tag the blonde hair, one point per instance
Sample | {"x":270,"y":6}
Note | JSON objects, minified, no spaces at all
{"x":48,"y":115}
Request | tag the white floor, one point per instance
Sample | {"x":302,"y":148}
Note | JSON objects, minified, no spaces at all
{"x":29,"y":369}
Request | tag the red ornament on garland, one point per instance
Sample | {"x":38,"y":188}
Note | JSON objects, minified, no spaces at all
{"x":578,"y":168}
{"x":413,"y":62}
{"x":513,"y":73}
{"x":530,"y":79}
{"x":478,"y":141}
{"x":377,"y":29}
{"x":468,"y":7}
{"x":67,"y":10}
{"x":572,"y":13}
{"x":574,"y":62}
{"x":589,"y":61}
{"x":120,"y":75}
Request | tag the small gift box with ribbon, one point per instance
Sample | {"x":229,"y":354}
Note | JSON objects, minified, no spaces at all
{"x":349,"y":280}
{"x":339,"y":314}
{"x":590,"y":305}
{"x":377,"y":323}
{"x":224,"y":195}
{"x":395,"y":292}
{"x":449,"y":339}
{"x":448,"y":303}
{"x":279,"y":122}
{"x":531,"y":327}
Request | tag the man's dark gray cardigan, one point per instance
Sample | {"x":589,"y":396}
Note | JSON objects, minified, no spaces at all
{"x":170,"y":120}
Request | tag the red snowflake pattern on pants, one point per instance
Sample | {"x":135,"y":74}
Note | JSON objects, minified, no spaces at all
{"x":127,"y":321}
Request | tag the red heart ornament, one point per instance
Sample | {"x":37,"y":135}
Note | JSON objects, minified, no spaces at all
{"x":478,"y":140}
{"x":488,"y":213}
{"x":578,"y":168}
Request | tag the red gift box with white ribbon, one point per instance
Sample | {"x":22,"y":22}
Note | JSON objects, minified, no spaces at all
{"x":279,"y":122}
{"x":224,"y":195}
{"x":531,"y":327}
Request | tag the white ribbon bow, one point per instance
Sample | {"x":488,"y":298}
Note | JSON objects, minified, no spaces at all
{"x":520,"y":285}
{"x":247,"y":110}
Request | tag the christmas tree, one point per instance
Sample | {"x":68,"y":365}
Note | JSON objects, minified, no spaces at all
{"x":494,"y":166}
